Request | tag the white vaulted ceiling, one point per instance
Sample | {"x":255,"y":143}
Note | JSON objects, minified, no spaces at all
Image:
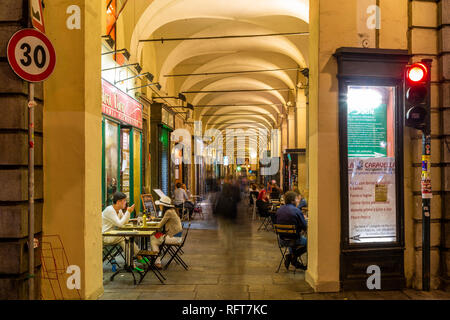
{"x":206,"y":18}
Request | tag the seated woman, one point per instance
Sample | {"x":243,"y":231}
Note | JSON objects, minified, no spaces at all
{"x":172,"y":227}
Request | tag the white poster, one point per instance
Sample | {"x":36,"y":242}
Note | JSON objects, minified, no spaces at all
{"x":372,"y":205}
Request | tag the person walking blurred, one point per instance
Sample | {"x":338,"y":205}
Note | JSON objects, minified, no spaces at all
{"x":226,"y":210}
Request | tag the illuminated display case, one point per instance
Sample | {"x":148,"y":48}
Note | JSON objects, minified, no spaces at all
{"x":371,"y":165}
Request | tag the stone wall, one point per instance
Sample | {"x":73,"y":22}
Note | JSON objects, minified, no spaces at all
{"x":444,"y":109}
{"x":429,"y":37}
{"x":14,"y":163}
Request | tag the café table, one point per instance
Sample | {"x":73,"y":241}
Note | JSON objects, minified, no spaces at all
{"x":129,"y":235}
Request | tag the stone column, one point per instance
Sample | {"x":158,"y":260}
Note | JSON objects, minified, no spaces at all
{"x":73,"y":138}
{"x":14,"y":164}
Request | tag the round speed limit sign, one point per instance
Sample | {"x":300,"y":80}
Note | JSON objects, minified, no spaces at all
{"x":31,"y":55}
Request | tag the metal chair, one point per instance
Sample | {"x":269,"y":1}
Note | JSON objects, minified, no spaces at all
{"x":110,"y":252}
{"x":263,"y":212}
{"x":254,"y":207}
{"x":197,"y":208}
{"x":183,"y":212}
{"x":151,"y":256}
{"x":287,"y":237}
{"x":175,"y":251}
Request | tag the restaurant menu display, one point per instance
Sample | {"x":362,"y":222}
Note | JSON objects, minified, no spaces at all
{"x":372,"y":202}
{"x":367,"y":133}
{"x":149,"y":204}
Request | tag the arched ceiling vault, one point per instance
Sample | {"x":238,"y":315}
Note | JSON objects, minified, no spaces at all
{"x":224,"y":60}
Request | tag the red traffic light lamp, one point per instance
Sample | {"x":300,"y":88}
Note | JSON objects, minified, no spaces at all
{"x":417,"y":95}
{"x":417,"y":72}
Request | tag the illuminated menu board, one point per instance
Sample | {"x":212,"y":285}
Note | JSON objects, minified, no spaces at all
{"x":371,"y":164}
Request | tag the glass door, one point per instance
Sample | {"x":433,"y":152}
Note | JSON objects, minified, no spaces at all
{"x":165,"y":158}
{"x":137,"y":169}
{"x":111,"y":161}
{"x":125,"y":162}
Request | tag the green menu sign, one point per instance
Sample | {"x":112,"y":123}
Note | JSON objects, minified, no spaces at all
{"x":367,"y":132}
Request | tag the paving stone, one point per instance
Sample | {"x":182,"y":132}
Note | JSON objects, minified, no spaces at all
{"x":285,"y":295}
{"x":219,"y":295}
{"x":248,"y":279}
{"x":245,"y":273}
{"x":122,"y":295}
{"x":167,"y":296}
{"x":368,"y":295}
{"x":424,"y":295}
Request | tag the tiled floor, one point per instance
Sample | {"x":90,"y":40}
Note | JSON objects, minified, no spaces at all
{"x":245,"y":271}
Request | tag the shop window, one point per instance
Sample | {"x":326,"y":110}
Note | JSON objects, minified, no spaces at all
{"x":111,"y":154}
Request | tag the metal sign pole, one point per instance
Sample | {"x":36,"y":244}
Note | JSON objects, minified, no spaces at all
{"x":31,"y":106}
{"x":426,"y":189}
{"x":426,"y":183}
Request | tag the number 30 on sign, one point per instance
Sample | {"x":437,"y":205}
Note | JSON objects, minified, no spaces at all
{"x":31,"y":55}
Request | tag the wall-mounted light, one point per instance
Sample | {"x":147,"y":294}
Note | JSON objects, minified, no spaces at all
{"x":148,"y":75}
{"x":125,"y":53}
{"x":136,"y":66}
{"x":157,"y":85}
{"x":109,"y":40}
{"x":181,"y":97}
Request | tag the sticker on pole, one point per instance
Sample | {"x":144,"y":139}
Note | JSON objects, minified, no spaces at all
{"x":31,"y":55}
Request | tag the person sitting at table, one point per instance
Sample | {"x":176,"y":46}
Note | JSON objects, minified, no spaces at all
{"x":183,"y":186}
{"x":263,"y":194}
{"x":303,"y":202}
{"x":180,"y":197}
{"x":262,"y":203}
{"x":113,"y":217}
{"x":253,"y":192}
{"x":289,"y":214}
{"x":171,"y":223}
{"x":275,"y":191}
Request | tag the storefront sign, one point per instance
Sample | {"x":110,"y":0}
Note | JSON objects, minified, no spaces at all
{"x":372,"y":205}
{"x":119,"y":105}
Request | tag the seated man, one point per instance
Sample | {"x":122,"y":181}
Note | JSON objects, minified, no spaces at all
{"x":180,"y":197}
{"x":172,"y":227}
{"x":289,"y":214}
{"x":302,"y":202}
{"x":275,"y":191}
{"x":113,"y":216}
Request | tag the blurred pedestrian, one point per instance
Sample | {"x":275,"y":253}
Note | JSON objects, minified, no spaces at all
{"x":226,"y":210}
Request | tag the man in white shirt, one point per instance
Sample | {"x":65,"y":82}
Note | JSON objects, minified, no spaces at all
{"x":113,"y":216}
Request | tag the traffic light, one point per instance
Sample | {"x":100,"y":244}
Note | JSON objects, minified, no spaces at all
{"x":417,"y":95}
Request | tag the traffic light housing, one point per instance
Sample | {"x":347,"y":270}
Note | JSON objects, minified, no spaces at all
{"x":417,"y":95}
